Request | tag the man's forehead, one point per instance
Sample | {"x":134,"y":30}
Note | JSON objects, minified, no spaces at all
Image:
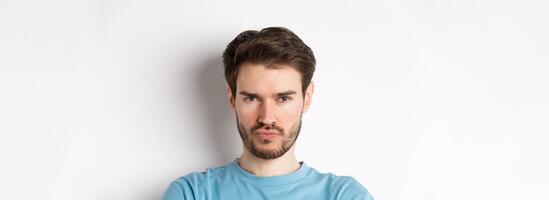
{"x":261,"y":74}
{"x":254,"y":77}
{"x":269,"y":88}
{"x":262,"y":68}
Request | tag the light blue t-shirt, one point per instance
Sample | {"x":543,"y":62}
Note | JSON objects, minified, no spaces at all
{"x":233,"y":182}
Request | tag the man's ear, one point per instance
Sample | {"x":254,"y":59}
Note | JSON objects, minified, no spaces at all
{"x":308,"y":96}
{"x":230,"y":97}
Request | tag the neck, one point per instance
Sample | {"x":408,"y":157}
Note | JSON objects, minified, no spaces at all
{"x":285,"y":164}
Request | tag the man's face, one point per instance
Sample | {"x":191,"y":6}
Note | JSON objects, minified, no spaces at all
{"x":268,"y":105}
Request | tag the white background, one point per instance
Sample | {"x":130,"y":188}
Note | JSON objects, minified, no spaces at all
{"x":423,"y":100}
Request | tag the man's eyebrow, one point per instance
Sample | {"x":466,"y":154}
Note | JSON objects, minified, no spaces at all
{"x":246,"y":93}
{"x":286,"y":93}
{"x":289,"y":92}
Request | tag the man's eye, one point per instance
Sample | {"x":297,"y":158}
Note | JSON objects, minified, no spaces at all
{"x":284,"y":98}
{"x":250,"y":98}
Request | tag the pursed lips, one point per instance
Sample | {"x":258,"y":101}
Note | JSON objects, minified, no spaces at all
{"x":267,"y":132}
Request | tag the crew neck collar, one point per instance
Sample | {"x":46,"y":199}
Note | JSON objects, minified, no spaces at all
{"x":271,"y":180}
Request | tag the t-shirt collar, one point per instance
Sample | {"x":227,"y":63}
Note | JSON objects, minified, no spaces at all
{"x":270,"y":180}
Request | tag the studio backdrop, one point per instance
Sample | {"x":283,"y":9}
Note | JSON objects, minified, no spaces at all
{"x":422,"y":100}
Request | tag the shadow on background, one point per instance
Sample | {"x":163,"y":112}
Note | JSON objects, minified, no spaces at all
{"x":218,"y":121}
{"x":217,"y":140}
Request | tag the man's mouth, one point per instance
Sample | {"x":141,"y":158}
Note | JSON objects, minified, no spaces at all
{"x":267,"y":134}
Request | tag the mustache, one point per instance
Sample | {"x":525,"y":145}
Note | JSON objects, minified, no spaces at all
{"x":280,"y":130}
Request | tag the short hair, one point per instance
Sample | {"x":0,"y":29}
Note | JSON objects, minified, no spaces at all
{"x":272,"y":47}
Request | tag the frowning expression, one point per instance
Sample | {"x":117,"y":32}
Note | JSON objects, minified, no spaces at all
{"x":268,"y":105}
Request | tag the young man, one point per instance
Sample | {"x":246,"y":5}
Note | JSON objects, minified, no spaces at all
{"x":269,"y":86}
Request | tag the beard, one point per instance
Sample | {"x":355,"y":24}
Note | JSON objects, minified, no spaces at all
{"x":287,"y":139}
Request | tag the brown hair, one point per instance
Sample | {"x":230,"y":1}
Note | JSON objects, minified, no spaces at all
{"x":272,"y":47}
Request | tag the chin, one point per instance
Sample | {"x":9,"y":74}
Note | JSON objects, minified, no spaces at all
{"x":273,"y":145}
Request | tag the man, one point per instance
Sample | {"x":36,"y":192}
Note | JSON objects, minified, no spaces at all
{"x":269,"y":86}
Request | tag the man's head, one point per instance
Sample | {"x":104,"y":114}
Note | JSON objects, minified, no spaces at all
{"x":268,"y":75}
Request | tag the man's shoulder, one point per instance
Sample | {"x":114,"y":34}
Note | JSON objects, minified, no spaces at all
{"x":198,"y":177}
{"x":345,"y":187}
{"x":191,"y":185}
{"x":333,"y":179}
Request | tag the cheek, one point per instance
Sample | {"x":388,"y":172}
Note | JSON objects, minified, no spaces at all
{"x":246,"y":110}
{"x":247,"y":116}
{"x":290,"y":113}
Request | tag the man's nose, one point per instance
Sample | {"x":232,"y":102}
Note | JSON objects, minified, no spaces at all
{"x":267,"y":113}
